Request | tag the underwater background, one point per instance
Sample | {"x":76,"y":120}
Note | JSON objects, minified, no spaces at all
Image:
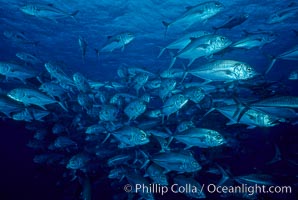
{"x":111,"y":43}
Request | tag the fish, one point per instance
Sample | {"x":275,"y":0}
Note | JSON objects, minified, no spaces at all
{"x":15,"y":71}
{"x":176,"y":161}
{"x":9,"y":106}
{"x":78,"y":161}
{"x":81,"y":82}
{"x":139,"y":81}
{"x":108,"y":113}
{"x":254,"y":40}
{"x":283,"y":14}
{"x":194,"y":14}
{"x":173,"y":104}
{"x":233,"y":21}
{"x":129,"y":136}
{"x":32,"y":97}
{"x":47,"y":11}
{"x":56,"y":72}
{"x":19,"y":37}
{"x":291,"y":54}
{"x":155,"y":172}
{"x":224,"y":70}
{"x":166,"y":87}
{"x":134,"y":109}
{"x":28,"y":58}
{"x":118,"y":41}
{"x":30,"y":114}
{"x":172,"y":73}
{"x":119,"y":160}
{"x":204,"y":46}
{"x":278,"y":101}
{"x":194,"y":94}
{"x":199,"y":137}
{"x":53,"y":90}
{"x":83,"y":47}
{"x":252,"y":179}
{"x":183,"y":41}
{"x":63,"y":142}
{"x":250,"y":117}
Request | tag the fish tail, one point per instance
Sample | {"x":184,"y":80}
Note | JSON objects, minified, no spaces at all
{"x":166,"y":24}
{"x":72,"y":15}
{"x":225,"y":176}
{"x":270,"y":66}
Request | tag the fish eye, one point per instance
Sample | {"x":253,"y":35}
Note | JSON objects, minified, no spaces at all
{"x":222,"y":38}
{"x":249,"y":69}
{"x":143,"y":136}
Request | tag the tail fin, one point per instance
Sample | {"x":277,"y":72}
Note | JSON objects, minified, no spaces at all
{"x":166,"y":24}
{"x":225,"y":176}
{"x":72,"y":15}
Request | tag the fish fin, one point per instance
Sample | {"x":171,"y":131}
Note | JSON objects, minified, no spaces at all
{"x":187,"y":147}
{"x":63,"y":106}
{"x":107,"y":137}
{"x":173,"y":60}
{"x":43,"y":107}
{"x":166,"y":24}
{"x":270,"y":66}
{"x":190,"y":62}
{"x":251,"y":127}
{"x":161,"y":52}
{"x":231,"y":123}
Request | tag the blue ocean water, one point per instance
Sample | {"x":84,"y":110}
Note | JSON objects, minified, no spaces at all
{"x":54,"y":39}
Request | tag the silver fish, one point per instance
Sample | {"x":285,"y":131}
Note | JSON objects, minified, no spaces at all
{"x":173,"y":104}
{"x":255,"y":40}
{"x":155,"y":172}
{"x":224,"y":70}
{"x":28,"y":58}
{"x":9,"y":106}
{"x":117,"y":41}
{"x":11,"y":70}
{"x":46,"y":11}
{"x":134,"y":109}
{"x":200,"y":137}
{"x":182,"y":42}
{"x":283,"y":14}
{"x":32,"y":97}
{"x":180,"y":162}
{"x":130,"y":136}
{"x":198,"y":13}
{"x":204,"y":46}
{"x":83,"y":47}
